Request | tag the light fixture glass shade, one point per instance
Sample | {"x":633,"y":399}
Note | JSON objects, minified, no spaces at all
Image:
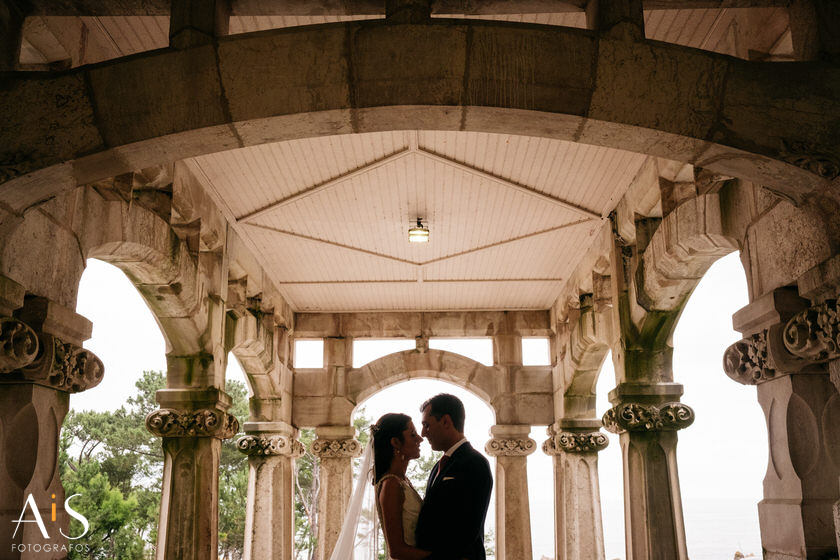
{"x":418,"y":233}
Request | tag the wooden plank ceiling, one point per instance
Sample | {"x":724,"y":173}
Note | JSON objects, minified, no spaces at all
{"x":743,"y":32}
{"x":509,"y":216}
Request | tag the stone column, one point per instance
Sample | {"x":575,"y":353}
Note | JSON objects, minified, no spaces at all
{"x":41,"y":363}
{"x":192,"y":423}
{"x":269,"y":521}
{"x":11,"y":35}
{"x":574,"y":445}
{"x":604,"y":15}
{"x":813,"y":29}
{"x":511,"y":446}
{"x":647,"y":416}
{"x":197,"y":22}
{"x":784,"y":353}
{"x":335,"y":448}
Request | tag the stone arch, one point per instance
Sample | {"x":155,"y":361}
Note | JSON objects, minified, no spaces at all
{"x":730,"y":116}
{"x":441,"y":365}
{"x":143,"y":245}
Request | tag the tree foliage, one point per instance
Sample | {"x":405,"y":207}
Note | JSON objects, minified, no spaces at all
{"x":116,"y":466}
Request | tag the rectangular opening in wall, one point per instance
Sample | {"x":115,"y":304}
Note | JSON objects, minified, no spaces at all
{"x":535,"y":352}
{"x":367,"y":350}
{"x":478,"y":349}
{"x":309,"y":353}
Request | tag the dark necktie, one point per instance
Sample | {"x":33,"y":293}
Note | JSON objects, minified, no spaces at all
{"x":440,"y":465}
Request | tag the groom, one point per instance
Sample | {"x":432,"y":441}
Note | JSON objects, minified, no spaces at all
{"x":451,"y":522}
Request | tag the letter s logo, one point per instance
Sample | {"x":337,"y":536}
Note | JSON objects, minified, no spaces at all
{"x":75,"y":515}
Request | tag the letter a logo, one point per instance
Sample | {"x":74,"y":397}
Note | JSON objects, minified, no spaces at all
{"x":30,"y":502}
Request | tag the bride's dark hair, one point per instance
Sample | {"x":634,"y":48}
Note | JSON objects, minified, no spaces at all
{"x":389,"y":426}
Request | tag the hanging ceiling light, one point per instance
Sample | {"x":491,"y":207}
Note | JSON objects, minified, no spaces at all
{"x":418,"y":233}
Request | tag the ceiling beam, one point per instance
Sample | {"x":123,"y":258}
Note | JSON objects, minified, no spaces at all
{"x":508,"y":183}
{"x":362,"y":7}
{"x":333,"y":243}
{"x":329,"y":183}
{"x":419,"y":265}
{"x":437,"y":281}
{"x":503,"y":242}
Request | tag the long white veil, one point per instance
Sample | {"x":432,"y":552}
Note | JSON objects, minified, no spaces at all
{"x":359,"y":536}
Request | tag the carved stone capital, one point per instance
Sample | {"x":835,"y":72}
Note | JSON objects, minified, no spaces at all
{"x":747,"y":360}
{"x":61,"y":365}
{"x":510,"y":447}
{"x":330,"y":448}
{"x":805,"y":156}
{"x":814,"y":334}
{"x":574,"y":442}
{"x":18,"y":344}
{"x":253,"y":445}
{"x":637,"y":417}
{"x":206,"y":422}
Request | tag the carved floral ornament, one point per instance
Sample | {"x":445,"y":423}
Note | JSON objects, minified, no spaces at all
{"x":205,"y":422}
{"x":270,"y":445}
{"x":18,"y":344}
{"x":510,"y":447}
{"x":747,"y":360}
{"x":636,"y":417}
{"x":45,"y":359}
{"x":814,"y":334}
{"x":328,"y":448}
{"x":572,"y":442}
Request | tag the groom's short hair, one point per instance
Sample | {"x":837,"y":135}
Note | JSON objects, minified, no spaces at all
{"x":444,"y":403}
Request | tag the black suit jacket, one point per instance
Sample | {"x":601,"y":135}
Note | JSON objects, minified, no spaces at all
{"x":451,"y":522}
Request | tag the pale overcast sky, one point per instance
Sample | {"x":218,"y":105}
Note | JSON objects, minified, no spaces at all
{"x":722,"y":457}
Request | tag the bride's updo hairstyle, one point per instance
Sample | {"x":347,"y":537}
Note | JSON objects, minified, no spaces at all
{"x":391,"y":425}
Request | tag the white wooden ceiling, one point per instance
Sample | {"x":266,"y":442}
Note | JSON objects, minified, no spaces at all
{"x":509,"y":216}
{"x":742,"y":32}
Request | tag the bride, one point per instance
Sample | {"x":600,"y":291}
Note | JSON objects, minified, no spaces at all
{"x":395,"y":442}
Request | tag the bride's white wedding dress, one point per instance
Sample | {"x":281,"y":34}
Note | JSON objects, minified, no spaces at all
{"x":346,"y":542}
{"x":412,"y":503}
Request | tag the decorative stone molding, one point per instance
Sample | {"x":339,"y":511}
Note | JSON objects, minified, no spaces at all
{"x":510,"y":447}
{"x":747,"y":360}
{"x":270,"y":445}
{"x":205,"y":422}
{"x":18,"y":344}
{"x":814,"y":334}
{"x":328,"y":448}
{"x":802,"y":155}
{"x":574,"y":442}
{"x":636,"y":417}
{"x":60,"y":365}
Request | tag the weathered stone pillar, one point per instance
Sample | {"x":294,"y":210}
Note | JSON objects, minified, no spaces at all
{"x":335,"y":448}
{"x":784,"y":353}
{"x":41,"y":363}
{"x":197,"y":22}
{"x":813,"y":29}
{"x":647,"y":415}
{"x":192,"y":423}
{"x":574,"y":445}
{"x":511,"y":446}
{"x":11,"y":35}
{"x":604,"y":15}
{"x":269,"y":523}
{"x":408,"y":11}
